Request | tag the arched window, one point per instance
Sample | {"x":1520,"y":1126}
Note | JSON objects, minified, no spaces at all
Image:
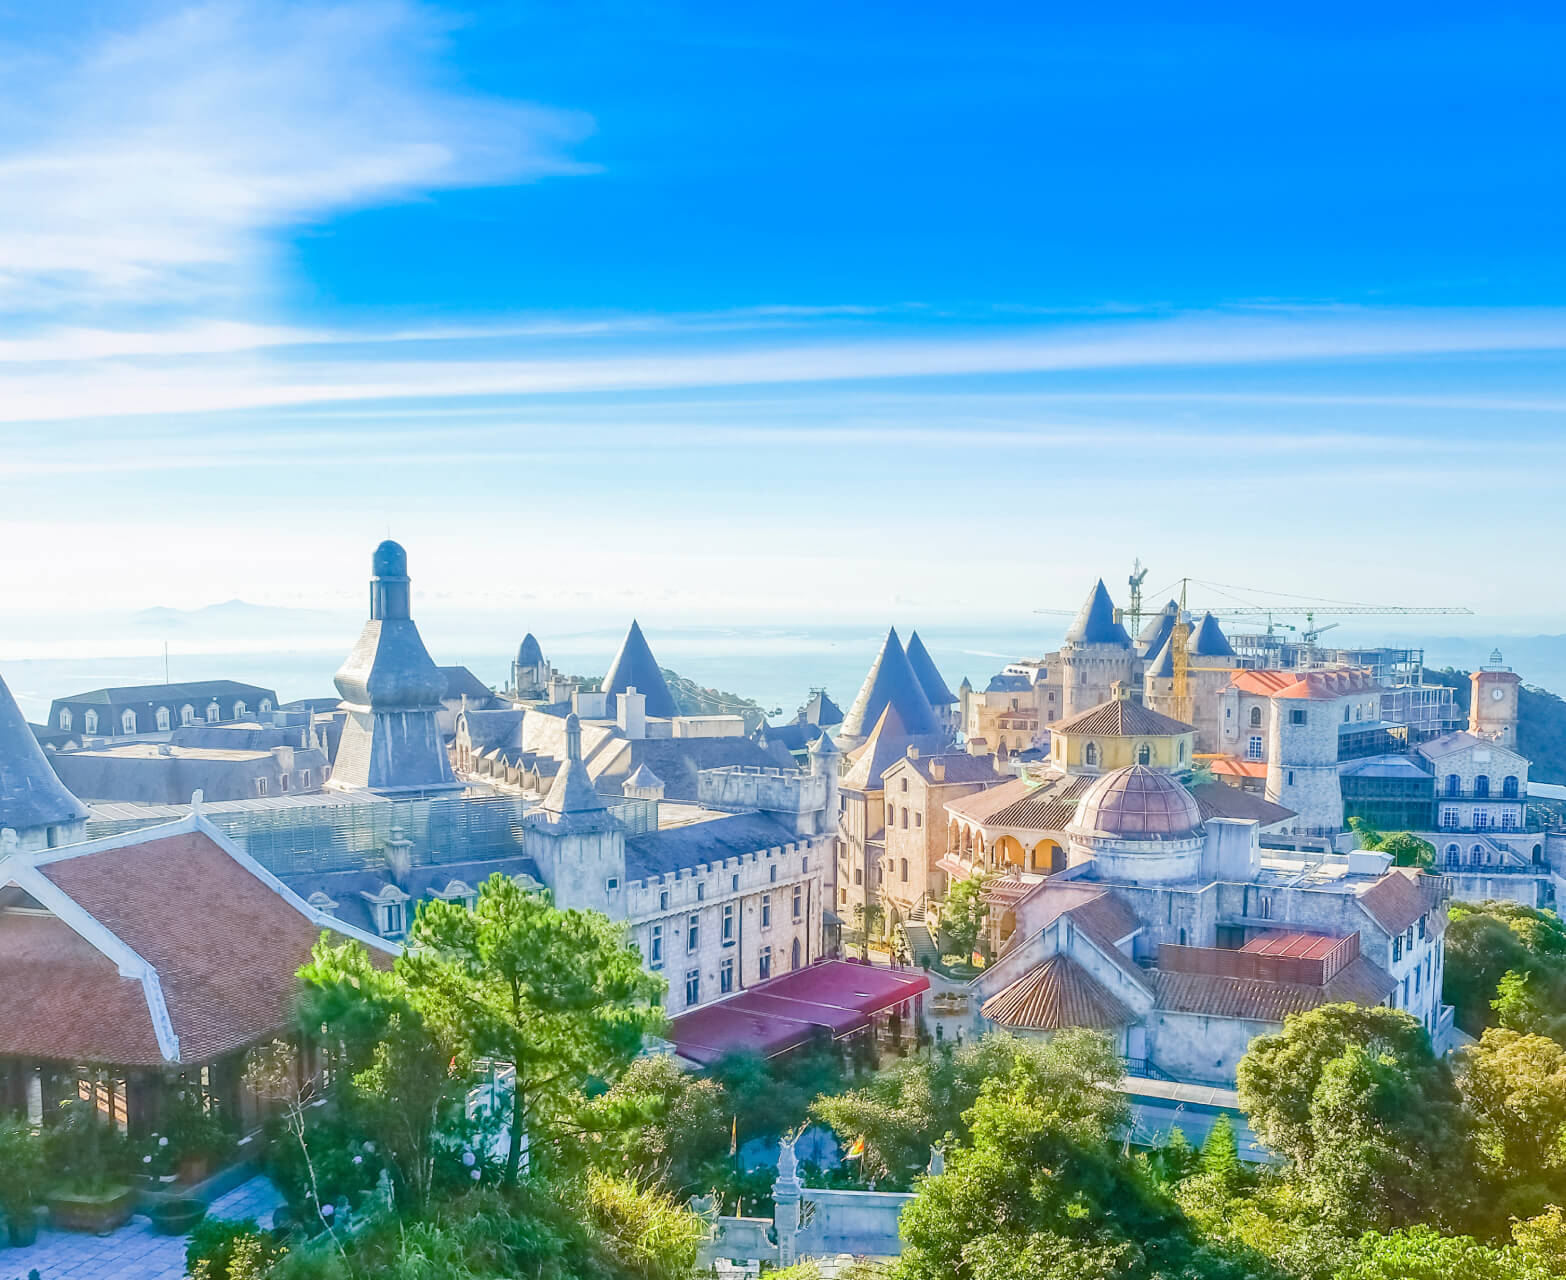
{"x":65,"y":719}
{"x":165,"y":720}
{"x":1509,"y":786}
{"x":1144,"y":754}
{"x":187,"y":714}
{"x":1454,"y":785}
{"x":1476,"y":855}
{"x":213,"y":712}
{"x":1482,"y":785}
{"x":239,"y":709}
{"x":1256,"y":717}
{"x":90,"y":722}
{"x":1538,"y":855}
{"x":794,"y":955}
{"x":1180,"y":753}
{"x":128,"y":721}
{"x":904,"y":870}
{"x":1090,"y":753}
{"x":1454,"y":855}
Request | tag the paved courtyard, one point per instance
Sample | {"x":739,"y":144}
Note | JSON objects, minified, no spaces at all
{"x":135,"y":1252}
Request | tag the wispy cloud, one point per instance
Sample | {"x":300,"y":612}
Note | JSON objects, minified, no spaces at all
{"x":154,"y":167}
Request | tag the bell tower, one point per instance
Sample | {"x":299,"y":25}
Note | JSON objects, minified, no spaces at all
{"x":1492,"y":712}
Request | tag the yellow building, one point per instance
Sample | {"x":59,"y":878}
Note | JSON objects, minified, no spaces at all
{"x":1119,"y":733}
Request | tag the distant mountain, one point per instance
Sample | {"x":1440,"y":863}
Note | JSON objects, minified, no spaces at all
{"x":229,"y":613}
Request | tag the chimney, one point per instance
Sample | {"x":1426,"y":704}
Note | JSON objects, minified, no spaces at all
{"x":399,"y":858}
{"x":937,"y":770}
{"x":913,"y":752}
{"x":631,"y":708}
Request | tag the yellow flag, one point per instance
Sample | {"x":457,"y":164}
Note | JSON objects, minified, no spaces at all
{"x":734,"y":1137}
{"x":857,"y":1150}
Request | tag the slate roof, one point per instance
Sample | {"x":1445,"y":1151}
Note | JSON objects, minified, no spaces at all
{"x":644,"y":777}
{"x":704,"y":843}
{"x":497,"y":728}
{"x":1120,"y":717}
{"x":191,"y":691}
{"x":224,"y":943}
{"x":1156,"y":633}
{"x":929,"y":677}
{"x":459,"y":681}
{"x":1008,"y":682}
{"x":957,"y":766}
{"x":1095,"y":622}
{"x":1058,"y":993}
{"x":1459,"y":740}
{"x":795,"y":736}
{"x":31,"y":794}
{"x":1209,"y":641}
{"x":888,"y":743}
{"x":634,"y":667}
{"x":890,"y":682}
{"x":1258,"y":1000}
{"x":530,"y":654}
{"x":821,"y":710}
{"x":425,"y":880}
{"x":572,"y":793}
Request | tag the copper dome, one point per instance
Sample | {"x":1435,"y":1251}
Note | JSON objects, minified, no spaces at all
{"x":1138,"y":803}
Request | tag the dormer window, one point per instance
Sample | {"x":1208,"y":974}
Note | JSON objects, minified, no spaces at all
{"x":214,"y":713}
{"x":393,"y":924}
{"x":90,"y":722}
{"x":165,"y":719}
{"x":389,"y":910}
{"x":187,"y":714}
{"x":240,"y":710}
{"x":321,"y":901}
{"x":128,"y":721}
{"x":65,"y":719}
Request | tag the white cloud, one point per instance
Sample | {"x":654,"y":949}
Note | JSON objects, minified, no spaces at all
{"x":154,"y":166}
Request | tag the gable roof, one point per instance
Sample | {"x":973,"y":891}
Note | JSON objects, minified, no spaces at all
{"x":459,"y":681}
{"x":1401,"y":896}
{"x":31,"y":793}
{"x":925,"y":670}
{"x":634,"y":667}
{"x":1262,"y":1000}
{"x":1220,"y":800}
{"x":1460,"y":740}
{"x":956,"y":767}
{"x":1096,"y":623}
{"x":168,"y":945}
{"x":486,"y":729}
{"x":1120,"y":717}
{"x":1320,"y":685}
{"x":890,"y":682}
{"x":1058,"y":993}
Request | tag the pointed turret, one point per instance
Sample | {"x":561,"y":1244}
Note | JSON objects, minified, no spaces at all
{"x":33,"y":800}
{"x":392,"y":691}
{"x":1156,"y":633}
{"x":531,"y":653}
{"x":572,"y":791}
{"x":929,"y":677}
{"x":1209,"y":641}
{"x":891,"y":682}
{"x":1096,"y":622}
{"x":634,"y":667}
{"x":886,"y":745}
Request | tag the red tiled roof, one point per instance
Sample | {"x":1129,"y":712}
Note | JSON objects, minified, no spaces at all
{"x":1058,"y":993}
{"x":1400,"y":897}
{"x":1305,"y":684}
{"x":1234,"y":767}
{"x":226,"y":949}
{"x":1258,"y":1000}
{"x":1119,"y":718}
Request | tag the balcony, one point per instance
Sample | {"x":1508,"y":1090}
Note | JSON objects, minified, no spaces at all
{"x":1496,"y":794}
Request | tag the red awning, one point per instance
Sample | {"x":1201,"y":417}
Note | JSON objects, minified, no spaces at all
{"x":834,"y":996}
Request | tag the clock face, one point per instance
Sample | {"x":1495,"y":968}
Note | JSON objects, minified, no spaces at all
{"x":1497,"y":694}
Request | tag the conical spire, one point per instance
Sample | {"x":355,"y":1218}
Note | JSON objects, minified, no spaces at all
{"x":1156,"y":633}
{"x":891,"y":681}
{"x":31,"y":795}
{"x":929,"y":677}
{"x":887,"y":744}
{"x":634,"y":667}
{"x":1096,"y":623}
{"x":1209,"y":640}
{"x":573,"y":790}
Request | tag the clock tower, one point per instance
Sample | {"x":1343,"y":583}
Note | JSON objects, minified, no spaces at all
{"x":1492,"y":713}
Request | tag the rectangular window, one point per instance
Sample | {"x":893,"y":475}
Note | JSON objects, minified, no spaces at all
{"x":282,"y":782}
{"x":764,"y":964}
{"x":611,"y":884}
{"x":773,"y":878}
{"x":692,"y":987}
{"x":804,"y":863}
{"x":655,"y":947}
{"x":1297,"y":715}
{"x":918,"y":820}
{"x":1397,"y":948}
{"x":799,"y":902}
{"x":260,"y":786}
{"x":1253,"y":749}
{"x":663,"y":900}
{"x":692,"y":933}
{"x":701,"y":892}
{"x":735,"y":885}
{"x":726,"y":976}
{"x":766,"y":911}
{"x":728,"y":925}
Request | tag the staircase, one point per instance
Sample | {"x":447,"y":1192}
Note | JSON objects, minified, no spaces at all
{"x":921,"y":946}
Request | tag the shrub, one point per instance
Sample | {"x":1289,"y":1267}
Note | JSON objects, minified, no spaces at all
{"x":222,"y":1249}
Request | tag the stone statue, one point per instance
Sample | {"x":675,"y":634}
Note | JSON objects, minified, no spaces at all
{"x":937,"y":1161}
{"x":788,"y":1162}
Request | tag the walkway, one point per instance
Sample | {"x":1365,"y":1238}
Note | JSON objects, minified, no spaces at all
{"x":135,"y":1252}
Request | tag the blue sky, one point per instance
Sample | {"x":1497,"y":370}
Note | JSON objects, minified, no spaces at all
{"x":733,"y":312}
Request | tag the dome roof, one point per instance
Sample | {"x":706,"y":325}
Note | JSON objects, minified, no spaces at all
{"x":389,"y":560}
{"x":1138,"y":803}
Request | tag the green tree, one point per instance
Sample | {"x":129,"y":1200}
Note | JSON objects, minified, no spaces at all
{"x":561,"y":995}
{"x":1040,"y":1191}
{"x":1487,"y":941}
{"x":1422,"y":1253}
{"x":1355,"y":1098}
{"x":963,"y":915}
{"x":1514,"y":1086}
{"x":662,"y":1126}
{"x":1220,"y":1158}
{"x":1407,"y":849}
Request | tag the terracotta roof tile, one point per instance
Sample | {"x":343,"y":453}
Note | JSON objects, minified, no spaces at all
{"x":1257,"y":1000}
{"x":1397,"y":899}
{"x":1120,"y":717}
{"x":1058,"y":993}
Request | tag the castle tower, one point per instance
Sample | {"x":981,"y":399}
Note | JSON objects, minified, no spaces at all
{"x":529,"y":671}
{"x":34,"y":803}
{"x":1096,"y":653}
{"x":1492,"y":710}
{"x":575,"y":841}
{"x":942,"y":700}
{"x":391,"y":689}
{"x":1302,"y":757}
{"x":890,"y":682}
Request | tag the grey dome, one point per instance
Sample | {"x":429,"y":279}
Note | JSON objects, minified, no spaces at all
{"x":1138,"y":803}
